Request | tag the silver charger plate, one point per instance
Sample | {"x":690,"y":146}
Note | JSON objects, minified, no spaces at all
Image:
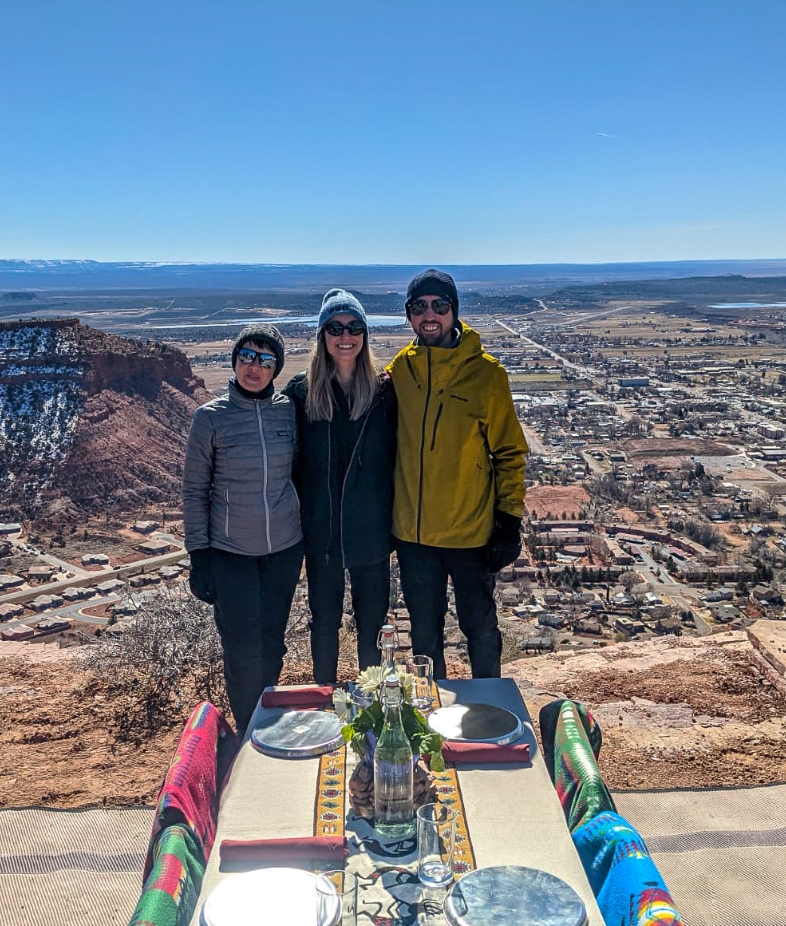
{"x":476,"y":723}
{"x":297,"y":734}
{"x":267,"y":897}
{"x":513,"y":894}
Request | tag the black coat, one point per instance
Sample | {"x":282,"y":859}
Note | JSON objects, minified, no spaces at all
{"x":355,"y":512}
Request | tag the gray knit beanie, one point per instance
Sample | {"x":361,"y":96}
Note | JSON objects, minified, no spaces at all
{"x":262,"y":336}
{"x":336,"y":301}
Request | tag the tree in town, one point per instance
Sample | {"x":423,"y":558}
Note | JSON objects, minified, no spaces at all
{"x":628,"y":579}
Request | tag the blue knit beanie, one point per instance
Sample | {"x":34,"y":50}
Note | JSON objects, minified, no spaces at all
{"x":336,"y":301}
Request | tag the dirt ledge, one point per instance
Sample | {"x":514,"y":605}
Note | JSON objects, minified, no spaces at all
{"x":675,"y":713}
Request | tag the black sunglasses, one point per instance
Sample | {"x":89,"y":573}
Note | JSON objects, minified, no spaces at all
{"x":336,"y":329}
{"x":420,"y":306}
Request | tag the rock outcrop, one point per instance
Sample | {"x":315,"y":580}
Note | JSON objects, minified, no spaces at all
{"x":676,"y":712}
{"x":89,"y":421}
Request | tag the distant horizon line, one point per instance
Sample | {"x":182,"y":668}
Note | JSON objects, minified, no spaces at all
{"x":49,"y":261}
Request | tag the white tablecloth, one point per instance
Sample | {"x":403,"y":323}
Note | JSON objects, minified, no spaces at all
{"x":513,"y":813}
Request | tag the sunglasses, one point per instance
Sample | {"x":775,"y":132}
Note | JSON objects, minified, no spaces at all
{"x":420,"y":306}
{"x":266,"y":361}
{"x":336,"y":329}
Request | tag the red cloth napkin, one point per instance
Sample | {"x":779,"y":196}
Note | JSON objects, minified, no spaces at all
{"x":313,"y":696}
{"x":485,"y":752}
{"x":293,"y":849}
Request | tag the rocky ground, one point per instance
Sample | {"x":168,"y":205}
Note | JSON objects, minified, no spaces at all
{"x":675,"y":713}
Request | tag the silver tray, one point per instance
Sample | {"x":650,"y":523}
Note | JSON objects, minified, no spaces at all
{"x":297,"y":734}
{"x":513,"y":894}
{"x":476,"y":723}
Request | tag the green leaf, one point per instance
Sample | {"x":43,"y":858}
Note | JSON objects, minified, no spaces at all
{"x":359,"y":744}
{"x":421,"y":739}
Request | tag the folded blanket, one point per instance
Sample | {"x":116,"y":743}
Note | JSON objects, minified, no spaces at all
{"x":171,"y":889}
{"x":571,"y":743}
{"x":192,"y":784}
{"x":625,"y":881}
{"x":313,"y":696}
{"x":295,"y":849}
{"x":489,"y":753}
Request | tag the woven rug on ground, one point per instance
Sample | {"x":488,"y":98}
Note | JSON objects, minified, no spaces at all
{"x":722,"y":851}
{"x":61,"y":867}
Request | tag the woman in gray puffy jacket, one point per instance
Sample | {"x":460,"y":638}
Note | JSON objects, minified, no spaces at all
{"x":242,"y":518}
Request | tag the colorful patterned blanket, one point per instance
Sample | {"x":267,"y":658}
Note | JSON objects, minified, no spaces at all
{"x":571,"y":744}
{"x":626,"y":882}
{"x":172,"y":886}
{"x":192,"y":784}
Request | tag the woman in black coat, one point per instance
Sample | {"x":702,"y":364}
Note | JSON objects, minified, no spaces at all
{"x":346,"y":414}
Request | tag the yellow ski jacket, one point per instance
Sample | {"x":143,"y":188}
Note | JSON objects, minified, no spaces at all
{"x":461,"y":448}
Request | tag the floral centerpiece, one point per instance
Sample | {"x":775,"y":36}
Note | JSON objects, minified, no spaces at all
{"x":362,"y":729}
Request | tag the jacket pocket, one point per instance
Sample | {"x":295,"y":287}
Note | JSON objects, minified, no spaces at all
{"x":297,"y":497}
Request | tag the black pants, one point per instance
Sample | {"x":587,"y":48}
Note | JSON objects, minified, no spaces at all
{"x":253,"y":600}
{"x":370,"y":586}
{"x":424,"y":579}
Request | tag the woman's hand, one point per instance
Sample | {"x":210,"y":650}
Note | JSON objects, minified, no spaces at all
{"x":200,"y":580}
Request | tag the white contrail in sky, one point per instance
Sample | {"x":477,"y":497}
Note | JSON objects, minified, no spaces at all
{"x":606,"y":135}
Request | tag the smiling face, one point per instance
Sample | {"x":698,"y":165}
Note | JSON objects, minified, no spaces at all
{"x":432,"y":329}
{"x":251,"y":376}
{"x":345,"y":347}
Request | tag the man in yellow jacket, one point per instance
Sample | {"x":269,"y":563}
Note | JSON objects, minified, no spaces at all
{"x":459,"y":476}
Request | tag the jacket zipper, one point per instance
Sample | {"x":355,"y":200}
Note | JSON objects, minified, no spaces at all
{"x":264,"y":477}
{"x":423,"y":444}
{"x":330,"y":497}
{"x":344,"y":486}
{"x":436,"y":423}
{"x":226,"y":517}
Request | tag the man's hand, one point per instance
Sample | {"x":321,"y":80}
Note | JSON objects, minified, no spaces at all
{"x":200,"y":580}
{"x":504,"y":544}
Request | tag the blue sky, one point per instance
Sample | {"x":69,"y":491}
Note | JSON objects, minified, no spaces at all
{"x":399,"y":132}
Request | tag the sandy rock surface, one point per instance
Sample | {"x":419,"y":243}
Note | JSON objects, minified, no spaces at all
{"x":675,"y":713}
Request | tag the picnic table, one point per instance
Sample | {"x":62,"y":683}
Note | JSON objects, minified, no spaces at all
{"x":511,"y":816}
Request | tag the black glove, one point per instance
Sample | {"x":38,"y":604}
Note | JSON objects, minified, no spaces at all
{"x":504,"y":544}
{"x":200,"y":580}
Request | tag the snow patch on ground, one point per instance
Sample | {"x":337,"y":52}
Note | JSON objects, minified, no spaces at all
{"x":38,"y":417}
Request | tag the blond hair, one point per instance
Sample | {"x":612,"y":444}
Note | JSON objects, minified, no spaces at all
{"x":322,"y":372}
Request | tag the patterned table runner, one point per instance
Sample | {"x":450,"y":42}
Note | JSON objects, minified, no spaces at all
{"x":390,"y":893}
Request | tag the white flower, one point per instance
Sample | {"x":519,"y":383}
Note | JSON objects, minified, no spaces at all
{"x":341,"y":704}
{"x":372,"y":680}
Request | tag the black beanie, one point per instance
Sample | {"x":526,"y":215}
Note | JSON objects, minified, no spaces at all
{"x":263,"y":336}
{"x":433,"y":283}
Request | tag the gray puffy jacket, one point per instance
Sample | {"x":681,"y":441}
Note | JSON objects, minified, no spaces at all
{"x":237,"y":481}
